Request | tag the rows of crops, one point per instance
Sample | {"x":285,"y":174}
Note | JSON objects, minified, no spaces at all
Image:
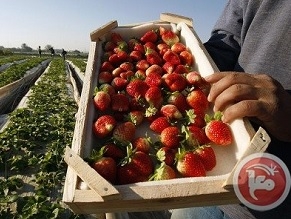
{"x":32,"y":169}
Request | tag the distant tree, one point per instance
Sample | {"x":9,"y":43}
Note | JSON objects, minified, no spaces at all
{"x":47,"y":47}
{"x":25,"y":48}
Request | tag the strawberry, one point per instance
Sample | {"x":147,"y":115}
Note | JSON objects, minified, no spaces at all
{"x":195,"y":79}
{"x":119,"y":102}
{"x":171,"y":57}
{"x":195,"y":136}
{"x":171,"y":112}
{"x":112,"y":150}
{"x":170,"y":137}
{"x":149,"y":36}
{"x":163,"y":172}
{"x":167,"y":155}
{"x":153,"y":57}
{"x":139,"y":47}
{"x":207,"y":157}
{"x":108,"y":88}
{"x":108,"y":46}
{"x":181,"y":69}
{"x":127,"y":75}
{"x":179,"y":100}
{"x":142,"y":65}
{"x":102,"y":100}
{"x":136,"y":167}
{"x":116,"y":72}
{"x":169,"y":37}
{"x":132,"y":42}
{"x":142,"y":144}
{"x":150,"y":46}
{"x":194,"y":119}
{"x":159,"y":124}
{"x":106,"y":66}
{"x":140,"y":74}
{"x":217,"y":131}
{"x":175,"y":82}
{"x":136,"y":117}
{"x":186,"y":58}
{"x":154,"y":68}
{"x":124,"y":132}
{"x":153,"y":79}
{"x":121,"y":46}
{"x":154,"y":97}
{"x":104,"y":125}
{"x":119,"y":83}
{"x":197,"y":100}
{"x":168,"y":67}
{"x":135,"y":55}
{"x":105,"y":77}
{"x":126,"y":66}
{"x":188,"y":164}
{"x":116,"y":37}
{"x":106,"y":167}
{"x":162,"y":48}
{"x":136,"y":88}
{"x":178,"y":47}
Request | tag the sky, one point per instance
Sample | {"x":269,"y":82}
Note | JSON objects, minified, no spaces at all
{"x":68,"y":23}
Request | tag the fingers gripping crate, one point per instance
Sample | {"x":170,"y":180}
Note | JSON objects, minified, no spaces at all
{"x":86,"y":192}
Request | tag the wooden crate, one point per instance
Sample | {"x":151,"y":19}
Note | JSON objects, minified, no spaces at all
{"x":86,"y":192}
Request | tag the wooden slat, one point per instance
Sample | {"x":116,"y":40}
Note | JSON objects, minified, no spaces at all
{"x":90,"y":176}
{"x":174,"y":18}
{"x":95,"y":35}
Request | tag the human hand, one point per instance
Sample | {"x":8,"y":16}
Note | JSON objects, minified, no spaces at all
{"x":257,"y":96}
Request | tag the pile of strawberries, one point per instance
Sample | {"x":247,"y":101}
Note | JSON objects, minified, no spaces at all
{"x":149,"y":84}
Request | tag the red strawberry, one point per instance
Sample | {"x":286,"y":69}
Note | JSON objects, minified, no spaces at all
{"x":153,"y":57}
{"x":142,"y":144}
{"x":139,"y":47}
{"x":167,"y":155}
{"x":153,"y":79}
{"x":170,"y":137}
{"x":106,"y":167}
{"x":137,"y":167}
{"x":175,"y":82}
{"x":105,"y":77}
{"x":154,"y":96}
{"x":195,"y":136}
{"x":171,"y":112}
{"x":108,"y":46}
{"x":140,"y":74}
{"x":195,"y":79}
{"x":159,"y":124}
{"x":116,"y":37}
{"x":150,"y":46}
{"x":119,"y":83}
{"x":108,"y":88}
{"x":154,"y":68}
{"x":169,"y":67}
{"x":124,"y":132}
{"x":135,"y":55}
{"x":162,"y":48}
{"x":194,"y":119}
{"x":112,"y":150}
{"x":186,"y":58}
{"x":169,"y":37}
{"x":121,"y":46}
{"x":189,"y":164}
{"x":217,"y":131}
{"x":127,"y":75}
{"x":198,"y":101}
{"x":106,"y":66}
{"x":132,"y":42}
{"x":179,"y":100}
{"x":142,"y":65}
{"x":207,"y":157}
{"x":137,"y":88}
{"x":117,"y":71}
{"x":104,"y":125}
{"x":126,"y":66}
{"x":163,"y":172}
{"x":119,"y":102}
{"x":102,"y":100}
{"x":136,"y":117}
{"x":171,"y":57}
{"x":178,"y":47}
{"x":149,"y":36}
{"x":181,"y":69}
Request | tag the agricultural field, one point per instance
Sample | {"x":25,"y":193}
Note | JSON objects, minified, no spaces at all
{"x":34,"y":134}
